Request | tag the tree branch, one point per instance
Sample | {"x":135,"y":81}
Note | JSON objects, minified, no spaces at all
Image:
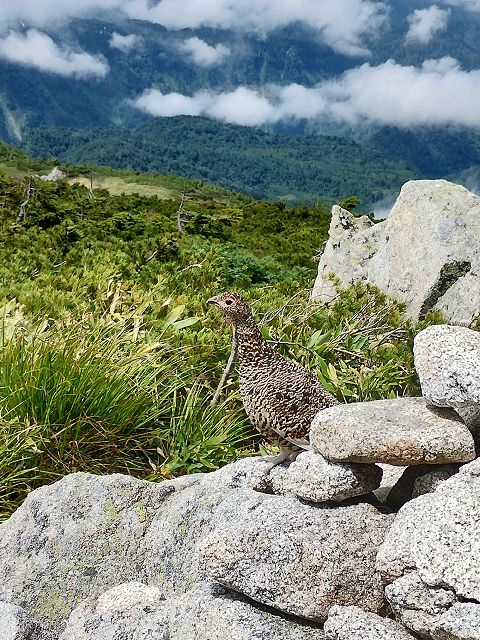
{"x":227,"y":369}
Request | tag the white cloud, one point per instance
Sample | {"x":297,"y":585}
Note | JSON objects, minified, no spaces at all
{"x":426,"y":23}
{"x":36,"y":49}
{"x":469,"y":5}
{"x":159,"y":104}
{"x":341,"y":24}
{"x":45,"y":13}
{"x":204,"y":54}
{"x":406,"y":95}
{"x":124,"y":43}
{"x":386,"y":94}
{"x":242,"y":106}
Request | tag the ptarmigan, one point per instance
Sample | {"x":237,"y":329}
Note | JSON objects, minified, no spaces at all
{"x":280,"y":397}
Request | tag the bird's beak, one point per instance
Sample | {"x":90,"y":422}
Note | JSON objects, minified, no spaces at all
{"x":213,"y":301}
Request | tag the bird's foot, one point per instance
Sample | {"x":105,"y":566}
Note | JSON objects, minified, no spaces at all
{"x":273,"y":461}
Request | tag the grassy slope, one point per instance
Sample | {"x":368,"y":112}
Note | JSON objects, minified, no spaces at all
{"x":108,"y":357}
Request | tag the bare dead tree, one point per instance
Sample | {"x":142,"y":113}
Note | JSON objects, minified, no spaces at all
{"x":226,"y":371}
{"x":152,"y":257}
{"x":180,"y":219}
{"x":22,"y":215}
{"x":90,"y":188}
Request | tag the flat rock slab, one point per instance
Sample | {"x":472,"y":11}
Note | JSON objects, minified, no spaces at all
{"x":447,"y":360}
{"x":299,"y":559}
{"x":137,"y":611}
{"x":313,"y":478}
{"x":438,"y":535}
{"x":402,"y":431}
{"x":352,"y":623}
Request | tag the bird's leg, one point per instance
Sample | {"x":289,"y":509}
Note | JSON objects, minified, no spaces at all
{"x":285,"y":454}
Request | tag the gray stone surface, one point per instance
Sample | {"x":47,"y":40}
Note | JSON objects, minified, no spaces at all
{"x":416,"y":605}
{"x":297,"y":558}
{"x":17,"y":624}
{"x":461,"y":622}
{"x":438,"y":535}
{"x":418,"y":480}
{"x":391,"y":475}
{"x":313,"y":478}
{"x":428,"y":482}
{"x":137,"y":612}
{"x":426,"y":253}
{"x":352,"y":241}
{"x":352,"y":623}
{"x":132,"y":610}
{"x":74,"y":539}
{"x":86,"y":534}
{"x":309,"y":477}
{"x":447,"y":360}
{"x":402,"y":431}
{"x":471,"y":417}
{"x":55,"y":175}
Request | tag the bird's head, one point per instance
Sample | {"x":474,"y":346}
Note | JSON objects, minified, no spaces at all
{"x":233,"y":308}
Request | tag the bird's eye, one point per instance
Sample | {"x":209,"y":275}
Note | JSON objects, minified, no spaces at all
{"x":228,"y":301}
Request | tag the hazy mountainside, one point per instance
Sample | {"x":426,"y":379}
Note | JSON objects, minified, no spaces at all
{"x":287,"y":167}
{"x":293,"y":54}
{"x":370,"y":162}
{"x":432,"y":152}
{"x":290,"y":167}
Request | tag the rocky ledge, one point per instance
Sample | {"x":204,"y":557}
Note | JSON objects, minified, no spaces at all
{"x":425,"y":254}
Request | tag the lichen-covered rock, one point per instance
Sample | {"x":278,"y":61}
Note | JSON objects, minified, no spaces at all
{"x":86,"y":534}
{"x":17,"y":624}
{"x":74,"y":539}
{"x":447,"y":360}
{"x":138,"y":612}
{"x":299,"y":559}
{"x":417,"y":605}
{"x":352,"y":241}
{"x":460,"y":622}
{"x":425,"y":254}
{"x":402,"y":431}
{"x":313,"y":478}
{"x":438,"y":535}
{"x":352,"y":623}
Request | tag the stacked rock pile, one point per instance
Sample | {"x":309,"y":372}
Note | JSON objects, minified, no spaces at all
{"x":304,"y":551}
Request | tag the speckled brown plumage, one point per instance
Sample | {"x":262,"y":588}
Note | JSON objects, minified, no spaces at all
{"x":280,"y":397}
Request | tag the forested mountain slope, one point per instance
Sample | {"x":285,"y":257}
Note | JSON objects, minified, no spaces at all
{"x":289,"y":167}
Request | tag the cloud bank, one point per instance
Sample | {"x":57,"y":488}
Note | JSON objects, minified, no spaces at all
{"x":36,"y":49}
{"x":341,"y":24}
{"x":204,"y":54}
{"x":469,"y":5}
{"x":389,"y":93}
{"x":426,"y":23}
{"x":124,"y":43}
